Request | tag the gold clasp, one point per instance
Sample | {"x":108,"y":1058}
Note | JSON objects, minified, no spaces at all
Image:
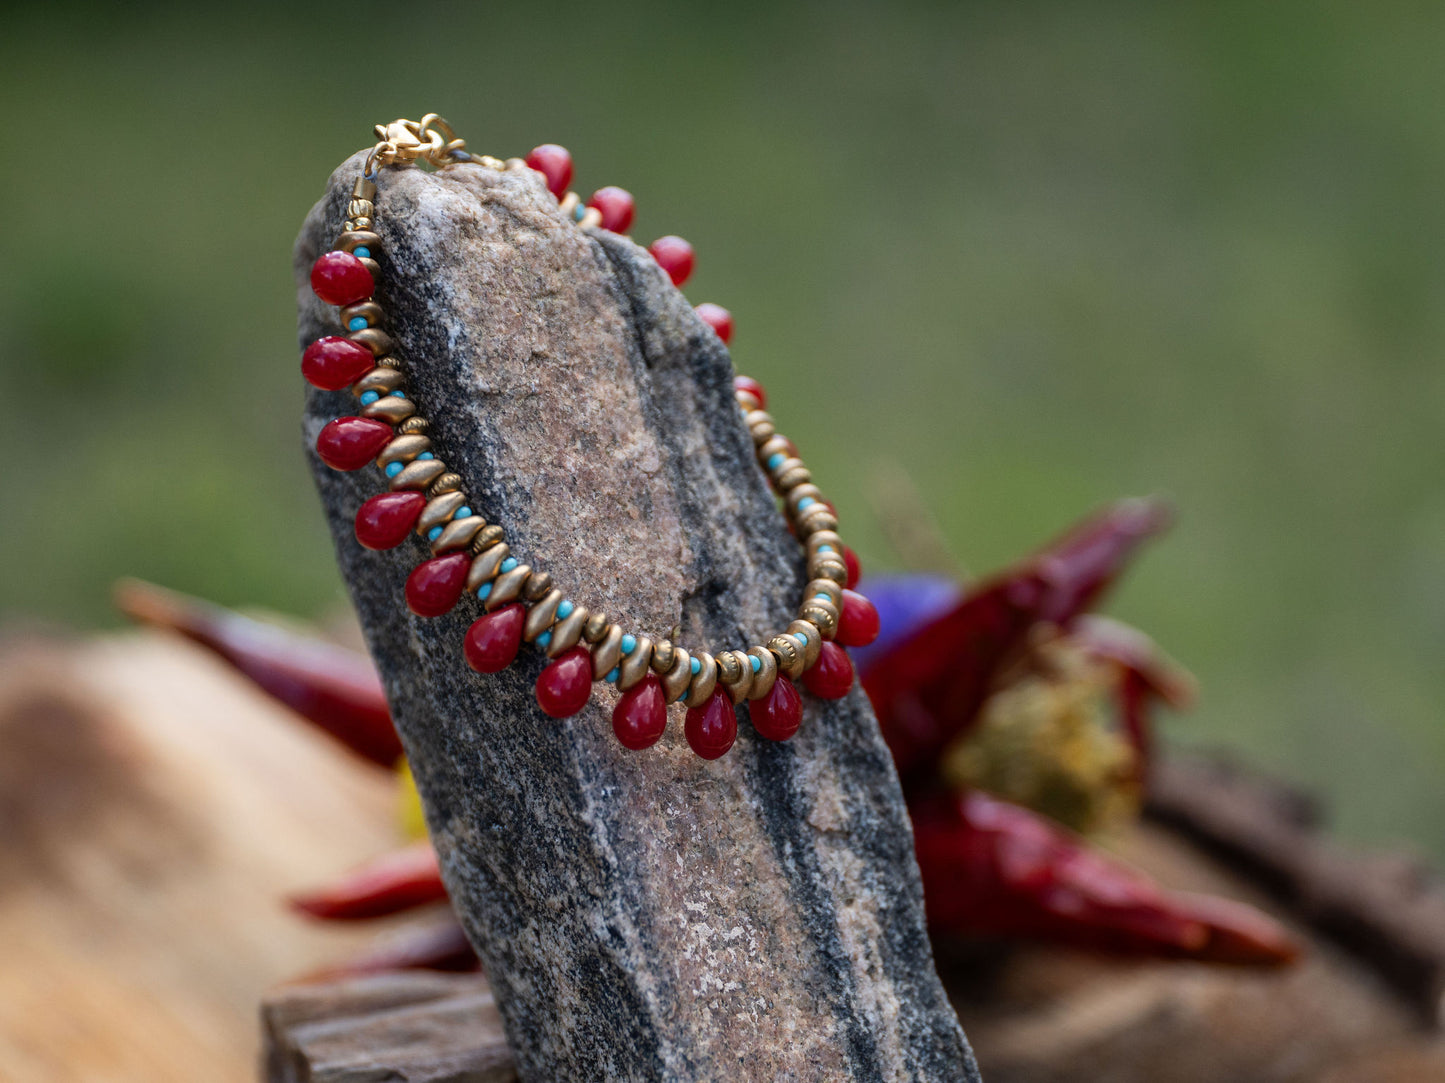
{"x":430,"y":139}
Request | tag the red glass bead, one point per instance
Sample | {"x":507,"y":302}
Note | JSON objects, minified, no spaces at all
{"x":675,"y":256}
{"x":339,"y":278}
{"x":712,"y":728}
{"x":385,"y":520}
{"x":617,"y":207}
{"x":776,"y":716}
{"x":718,"y":318}
{"x":858,"y":622}
{"x":753,"y":388}
{"x":850,"y":558}
{"x":435,"y":585}
{"x":554,"y":163}
{"x":349,"y":443}
{"x":641,"y":714}
{"x":563,"y":687}
{"x":492,"y":641}
{"x":333,"y":363}
{"x":832,"y":674}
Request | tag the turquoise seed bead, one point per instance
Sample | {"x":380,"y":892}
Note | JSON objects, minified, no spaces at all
{"x":356,"y":323}
{"x":484,"y":590}
{"x":393,"y":469}
{"x":629,"y":643}
{"x":426,"y":455}
{"x":776,"y":459}
{"x":544,"y":639}
{"x":509,"y":564}
{"x":612,"y":675}
{"x":801,"y":638}
{"x":696,"y":666}
{"x":825,"y":548}
{"x":434,"y":533}
{"x":398,"y":394}
{"x":806,"y":502}
{"x":823,"y":597}
{"x":462,"y":512}
{"x":564,"y":609}
{"x":756,"y":661}
{"x":362,"y":252}
{"x":368,"y":397}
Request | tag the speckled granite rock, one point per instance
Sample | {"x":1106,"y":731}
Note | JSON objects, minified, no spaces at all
{"x":641,"y":915}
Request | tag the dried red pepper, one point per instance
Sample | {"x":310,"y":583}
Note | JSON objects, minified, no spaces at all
{"x":398,"y":881}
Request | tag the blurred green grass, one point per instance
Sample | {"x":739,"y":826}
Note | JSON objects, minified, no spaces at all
{"x":1037,"y":255}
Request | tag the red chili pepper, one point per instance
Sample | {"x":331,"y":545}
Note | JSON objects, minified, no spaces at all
{"x":401,"y":880}
{"x":441,"y":945}
{"x":994,"y":869}
{"x":928,"y":688}
{"x":330,"y":686}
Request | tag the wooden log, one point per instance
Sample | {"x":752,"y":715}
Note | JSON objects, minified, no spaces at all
{"x":641,"y":915}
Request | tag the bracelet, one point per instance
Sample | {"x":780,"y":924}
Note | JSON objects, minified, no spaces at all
{"x":471,"y":556}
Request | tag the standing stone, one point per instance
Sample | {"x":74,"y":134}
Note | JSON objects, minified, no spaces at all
{"x":641,"y":915}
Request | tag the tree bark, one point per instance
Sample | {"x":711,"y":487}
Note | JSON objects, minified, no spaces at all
{"x":641,"y":915}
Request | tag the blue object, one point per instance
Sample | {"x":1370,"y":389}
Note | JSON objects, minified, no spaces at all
{"x":629,"y":643}
{"x":696,"y":666}
{"x":361,"y":252}
{"x":368,"y":397}
{"x":434,"y":533}
{"x":462,"y":512}
{"x":806,"y":502}
{"x":825,"y":548}
{"x":484,"y":590}
{"x":564,"y":609}
{"x":393,"y":469}
{"x":426,"y":455}
{"x":509,"y":564}
{"x":776,"y":459}
{"x":612,"y":675}
{"x":756,"y":661}
{"x":398,"y":394}
{"x":356,"y":323}
{"x":544,"y":640}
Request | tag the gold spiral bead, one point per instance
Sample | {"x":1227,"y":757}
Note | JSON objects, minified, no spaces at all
{"x":507,"y":587}
{"x":633,"y":667}
{"x":760,"y":424}
{"x":390,"y":409}
{"x":607,"y":652}
{"x":735,"y":673}
{"x":767,"y":674}
{"x":798,"y":493}
{"x":542,"y":615}
{"x":775,"y":445}
{"x":418,"y":474}
{"x":369,"y":311}
{"x":828,"y":566}
{"x":447,"y":483}
{"x":439,"y":510}
{"x":489,"y":537}
{"x":374,"y":339}
{"x":403,"y":449}
{"x":814,"y":637}
{"x":790,"y":654}
{"x":597,"y":628}
{"x":361,"y":221}
{"x":567,"y":632}
{"x":825,"y":586}
{"x":821,"y":614}
{"x":676,"y":680}
{"x":458,"y":534}
{"x":414,"y":425}
{"x":486,"y":565}
{"x":704,"y":681}
{"x":820,"y":538}
{"x":353,"y":239}
{"x":790,"y":472}
{"x":662,"y":654}
{"x":818,"y":517}
{"x":383,"y":380}
{"x":360,"y":208}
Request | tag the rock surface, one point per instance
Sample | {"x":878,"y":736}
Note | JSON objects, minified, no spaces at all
{"x":640,"y":915}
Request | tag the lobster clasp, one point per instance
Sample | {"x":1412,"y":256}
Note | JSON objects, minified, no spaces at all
{"x":430,"y":139}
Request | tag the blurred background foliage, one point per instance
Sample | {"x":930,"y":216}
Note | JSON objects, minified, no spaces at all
{"x":1034,"y":255}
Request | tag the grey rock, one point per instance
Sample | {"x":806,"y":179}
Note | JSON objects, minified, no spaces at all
{"x":640,"y":915}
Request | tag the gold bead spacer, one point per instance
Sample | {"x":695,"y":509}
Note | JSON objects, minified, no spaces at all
{"x":418,"y":474}
{"x":633,"y":668}
{"x":767,"y":674}
{"x":567,"y":631}
{"x":486,"y":565}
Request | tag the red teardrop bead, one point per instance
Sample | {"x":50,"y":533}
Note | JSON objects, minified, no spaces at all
{"x":753,"y":388}
{"x":616,"y":206}
{"x":718,"y":318}
{"x":832,"y":674}
{"x":554,"y":163}
{"x":858,"y":623}
{"x":333,"y":363}
{"x":641,"y":714}
{"x":563,"y":687}
{"x":385,"y":520}
{"x":492,"y":641}
{"x":675,"y":256}
{"x":435,"y":585}
{"x":777,"y":715}
{"x":349,"y":443}
{"x":850,"y":558}
{"x":712,"y":728}
{"x":339,"y":278}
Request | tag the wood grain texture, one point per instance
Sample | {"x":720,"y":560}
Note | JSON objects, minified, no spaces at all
{"x":641,"y":916}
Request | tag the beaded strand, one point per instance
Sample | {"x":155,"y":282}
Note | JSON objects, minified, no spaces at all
{"x":522,"y":604}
